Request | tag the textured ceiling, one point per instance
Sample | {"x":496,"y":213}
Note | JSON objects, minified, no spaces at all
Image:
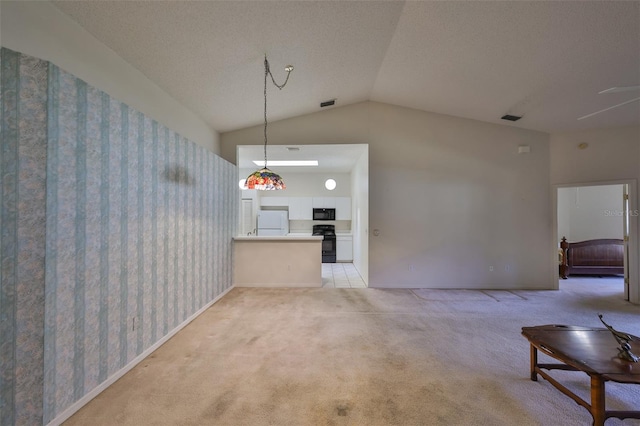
{"x":546,"y":61}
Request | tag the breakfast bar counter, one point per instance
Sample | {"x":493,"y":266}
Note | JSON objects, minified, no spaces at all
{"x":278,"y":261}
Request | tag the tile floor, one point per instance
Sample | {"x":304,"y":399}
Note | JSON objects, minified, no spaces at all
{"x":341,"y":275}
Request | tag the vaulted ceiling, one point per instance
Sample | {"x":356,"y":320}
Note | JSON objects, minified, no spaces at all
{"x":544,"y":61}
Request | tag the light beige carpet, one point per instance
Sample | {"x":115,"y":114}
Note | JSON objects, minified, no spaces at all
{"x":366,"y":357}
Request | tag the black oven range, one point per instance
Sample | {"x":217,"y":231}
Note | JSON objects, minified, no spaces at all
{"x":328,"y":242}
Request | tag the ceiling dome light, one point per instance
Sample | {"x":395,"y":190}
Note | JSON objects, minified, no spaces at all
{"x":330,"y":184}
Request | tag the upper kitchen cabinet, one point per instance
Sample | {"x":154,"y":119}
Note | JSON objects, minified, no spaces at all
{"x":274,"y":201}
{"x":341,"y":204}
{"x":324,"y":202}
{"x":343,"y":208}
{"x":300,"y":208}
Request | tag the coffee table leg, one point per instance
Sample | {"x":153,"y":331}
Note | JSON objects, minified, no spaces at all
{"x":534,"y":363}
{"x":598,"y":409}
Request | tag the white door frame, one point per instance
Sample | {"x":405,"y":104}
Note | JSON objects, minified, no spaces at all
{"x":626,"y":211}
{"x":634,"y":282}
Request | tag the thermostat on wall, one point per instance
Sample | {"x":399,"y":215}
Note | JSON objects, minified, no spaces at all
{"x":524,"y":149}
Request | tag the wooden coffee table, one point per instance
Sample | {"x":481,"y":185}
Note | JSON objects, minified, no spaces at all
{"x":590,"y":350}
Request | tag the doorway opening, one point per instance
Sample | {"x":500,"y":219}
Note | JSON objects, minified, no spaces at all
{"x":593,"y":237}
{"x":347,"y":167}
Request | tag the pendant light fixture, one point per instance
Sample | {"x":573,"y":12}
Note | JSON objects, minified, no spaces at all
{"x":264,"y":179}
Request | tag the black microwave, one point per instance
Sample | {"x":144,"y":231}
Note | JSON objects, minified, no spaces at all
{"x":324,"y":214}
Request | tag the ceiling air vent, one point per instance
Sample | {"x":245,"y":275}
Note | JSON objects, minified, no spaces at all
{"x":511,"y":117}
{"x":327,"y":103}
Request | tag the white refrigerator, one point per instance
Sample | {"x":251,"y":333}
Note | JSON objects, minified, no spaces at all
{"x":273,"y":222}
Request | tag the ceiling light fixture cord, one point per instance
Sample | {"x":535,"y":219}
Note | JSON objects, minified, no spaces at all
{"x":264,"y":179}
{"x":267,"y":70}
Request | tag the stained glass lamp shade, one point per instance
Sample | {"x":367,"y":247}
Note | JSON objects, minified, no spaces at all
{"x":265,"y":180}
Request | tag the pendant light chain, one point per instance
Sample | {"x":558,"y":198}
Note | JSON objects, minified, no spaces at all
{"x":264,"y":179}
{"x":288,"y":69}
{"x":267,"y":70}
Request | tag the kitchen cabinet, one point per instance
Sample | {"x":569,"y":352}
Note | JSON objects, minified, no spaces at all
{"x":300,"y":208}
{"x":274,"y":201}
{"x":324,"y":202}
{"x":344,"y":248}
{"x":343,"y":208}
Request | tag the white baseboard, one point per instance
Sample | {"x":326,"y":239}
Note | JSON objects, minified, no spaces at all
{"x":72,"y":409}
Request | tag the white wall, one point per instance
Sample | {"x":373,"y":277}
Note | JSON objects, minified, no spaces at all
{"x":565,"y":205}
{"x":307,"y":184}
{"x":613,"y":156}
{"x":360,"y":212}
{"x":450,"y":196}
{"x":590,"y":212}
{"x":39,"y":29}
{"x":302,"y":185}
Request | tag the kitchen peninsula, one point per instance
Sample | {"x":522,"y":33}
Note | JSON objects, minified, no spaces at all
{"x":277,"y":261}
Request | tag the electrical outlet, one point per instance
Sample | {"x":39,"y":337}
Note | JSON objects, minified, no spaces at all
{"x":506,"y":268}
{"x":411,"y":268}
{"x":490,"y":268}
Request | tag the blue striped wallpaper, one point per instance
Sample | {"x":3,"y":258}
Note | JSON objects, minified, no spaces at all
{"x":137,"y":236}
{"x":23,"y":119}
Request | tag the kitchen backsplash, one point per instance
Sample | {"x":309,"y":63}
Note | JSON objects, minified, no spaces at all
{"x":307,"y":225}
